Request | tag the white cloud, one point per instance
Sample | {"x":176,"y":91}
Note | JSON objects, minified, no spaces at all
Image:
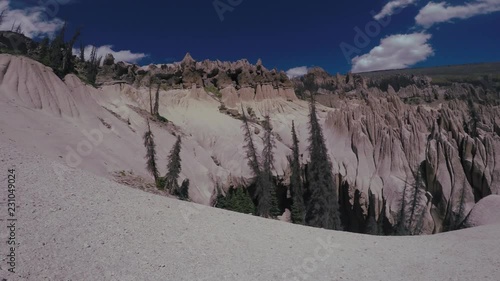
{"x":296,"y":72}
{"x":395,"y":52}
{"x":434,"y":13}
{"x":122,"y":55}
{"x":392,"y":7}
{"x":34,"y":21}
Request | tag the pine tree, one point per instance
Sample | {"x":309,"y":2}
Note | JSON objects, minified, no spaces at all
{"x":416,"y":204}
{"x":184,"y":190}
{"x":401,"y":226}
{"x":296,"y":191}
{"x":157,"y":102}
{"x":67,"y":64}
{"x":268,"y":197}
{"x":237,"y":200}
{"x":150,"y":145}
{"x":460,"y":215}
{"x":92,"y":66}
{"x":372,"y":226}
{"x":474,"y":118}
{"x":323,"y":209}
{"x":56,"y":51}
{"x":417,"y":230}
{"x":412,"y":211}
{"x":454,"y":219}
{"x":382,"y":217}
{"x":2,"y":17}
{"x":19,"y":29}
{"x":82,"y":52}
{"x":150,"y":96}
{"x":174,"y":167}
{"x":275,"y":210}
{"x":251,"y":151}
{"x":43,"y":54}
{"x":263,"y":199}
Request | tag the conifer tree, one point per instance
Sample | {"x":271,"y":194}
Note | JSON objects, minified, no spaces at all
{"x":416,"y":204}
{"x":150,"y":145}
{"x":173,"y":167}
{"x":401,"y":226}
{"x":269,"y":192}
{"x":150,"y":95}
{"x":19,"y":29}
{"x":157,"y":102}
{"x":43,"y":54}
{"x":372,"y":226}
{"x":56,"y":50}
{"x":82,"y":52}
{"x":2,"y":16}
{"x":67,"y":63}
{"x":382,"y":217}
{"x":322,"y":209}
{"x":92,"y":66}
{"x":461,"y":207}
{"x":454,"y":219}
{"x":184,"y":190}
{"x":237,"y":200}
{"x":417,"y":230}
{"x":296,"y":191}
{"x":414,"y":196}
{"x":260,"y":193}
{"x":251,"y":151}
{"x":474,"y":118}
{"x":412,"y":211}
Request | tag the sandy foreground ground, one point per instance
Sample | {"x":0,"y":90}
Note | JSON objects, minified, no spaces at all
{"x":73,"y":225}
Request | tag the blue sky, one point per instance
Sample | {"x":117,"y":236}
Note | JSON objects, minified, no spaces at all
{"x":338,"y":36}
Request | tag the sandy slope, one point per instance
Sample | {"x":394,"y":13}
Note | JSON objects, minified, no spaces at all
{"x":73,"y":225}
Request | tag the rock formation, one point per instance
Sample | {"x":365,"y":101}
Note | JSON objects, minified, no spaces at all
{"x":379,"y":133}
{"x":236,"y":81}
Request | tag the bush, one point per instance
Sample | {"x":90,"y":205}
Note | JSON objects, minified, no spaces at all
{"x":236,"y":200}
{"x":212,"y":89}
{"x":162,"y":119}
{"x":183,"y":192}
{"x":160,"y":183}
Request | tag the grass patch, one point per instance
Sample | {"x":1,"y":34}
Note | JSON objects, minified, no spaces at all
{"x":212,"y":89}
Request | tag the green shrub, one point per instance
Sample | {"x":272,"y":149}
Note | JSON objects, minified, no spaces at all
{"x":212,"y":89}
{"x":183,"y":192}
{"x":162,"y":119}
{"x":237,"y":200}
{"x":160,"y":183}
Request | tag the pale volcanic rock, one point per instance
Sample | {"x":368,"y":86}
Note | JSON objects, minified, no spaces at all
{"x":91,"y":228}
{"x":246,"y":94}
{"x":484,"y":212}
{"x":230,"y":97}
{"x":375,"y":141}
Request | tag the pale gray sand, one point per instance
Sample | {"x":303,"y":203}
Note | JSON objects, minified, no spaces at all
{"x":73,"y":225}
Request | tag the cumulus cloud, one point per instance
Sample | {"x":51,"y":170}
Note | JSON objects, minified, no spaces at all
{"x":296,"y":72}
{"x":392,"y":7}
{"x":34,"y":21}
{"x":434,"y":13}
{"x":122,"y":55}
{"x":395,"y":52}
